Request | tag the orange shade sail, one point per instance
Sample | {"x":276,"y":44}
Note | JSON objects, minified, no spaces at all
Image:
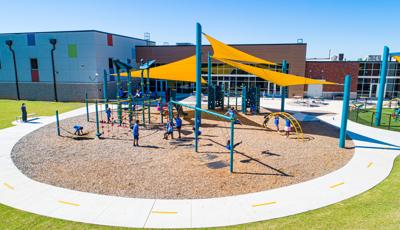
{"x":278,"y":78}
{"x":224,"y":51}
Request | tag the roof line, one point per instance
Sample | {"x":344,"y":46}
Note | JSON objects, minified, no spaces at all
{"x":257,"y":44}
{"x":74,"y":31}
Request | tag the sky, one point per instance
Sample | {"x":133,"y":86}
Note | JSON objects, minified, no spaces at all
{"x":356,"y":28}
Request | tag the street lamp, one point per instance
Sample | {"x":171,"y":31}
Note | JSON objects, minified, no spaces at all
{"x":53,"y":42}
{"x":9,"y":43}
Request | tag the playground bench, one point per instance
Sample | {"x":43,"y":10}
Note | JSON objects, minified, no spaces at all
{"x":29,"y":116}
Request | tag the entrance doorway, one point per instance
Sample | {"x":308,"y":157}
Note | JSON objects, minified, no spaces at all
{"x":373,"y":91}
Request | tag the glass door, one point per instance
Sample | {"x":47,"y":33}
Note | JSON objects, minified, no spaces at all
{"x":373,"y":91}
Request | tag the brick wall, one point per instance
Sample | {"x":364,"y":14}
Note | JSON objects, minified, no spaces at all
{"x":333,"y":71}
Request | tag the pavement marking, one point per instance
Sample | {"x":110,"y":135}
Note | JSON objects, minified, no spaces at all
{"x":68,"y":203}
{"x":263,"y":204}
{"x":370,"y":164}
{"x":163,"y":212}
{"x":336,"y":185}
{"x":8,"y":186}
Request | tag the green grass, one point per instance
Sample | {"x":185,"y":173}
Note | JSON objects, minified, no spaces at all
{"x":378,"y":208}
{"x":11,"y":109}
{"x":365,"y":116}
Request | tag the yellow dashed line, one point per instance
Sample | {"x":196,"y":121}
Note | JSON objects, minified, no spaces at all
{"x":8,"y":186}
{"x":68,"y":203}
{"x":163,"y":212}
{"x":263,"y":204}
{"x":336,"y":185}
{"x":370,"y":164}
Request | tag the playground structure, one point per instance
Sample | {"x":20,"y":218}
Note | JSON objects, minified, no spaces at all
{"x":293,"y":121}
{"x":184,"y":70}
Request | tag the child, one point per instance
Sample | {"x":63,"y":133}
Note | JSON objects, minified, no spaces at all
{"x":276,"y":122}
{"x":287,"y":128}
{"x":121,"y":93}
{"x":138,"y":94}
{"x":253,"y":109}
{"x":232,"y":113}
{"x":178,"y":122}
{"x":78,"y":130}
{"x":228,"y":145}
{"x":170,"y":130}
{"x":108,"y":112}
{"x":135,"y":133}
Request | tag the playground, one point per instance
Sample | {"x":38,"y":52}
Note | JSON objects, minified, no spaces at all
{"x":164,"y":168}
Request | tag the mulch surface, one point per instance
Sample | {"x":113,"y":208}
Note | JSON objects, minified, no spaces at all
{"x":170,"y":168}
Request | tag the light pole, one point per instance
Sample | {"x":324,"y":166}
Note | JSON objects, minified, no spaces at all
{"x":53,"y":42}
{"x":9,"y":43}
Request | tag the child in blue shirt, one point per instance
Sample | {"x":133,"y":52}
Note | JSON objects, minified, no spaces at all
{"x":78,"y":130}
{"x":135,"y":133}
{"x":170,"y":130}
{"x":288,"y":128}
{"x":178,"y":122}
{"x":108,"y":112}
{"x":276,"y":122}
{"x":232,"y":113}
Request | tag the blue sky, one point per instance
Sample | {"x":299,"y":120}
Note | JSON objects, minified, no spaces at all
{"x":356,"y":28}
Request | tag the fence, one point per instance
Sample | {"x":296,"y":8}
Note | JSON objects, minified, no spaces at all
{"x":389,"y":119}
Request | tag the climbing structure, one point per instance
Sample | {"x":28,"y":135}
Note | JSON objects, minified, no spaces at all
{"x":293,"y":121}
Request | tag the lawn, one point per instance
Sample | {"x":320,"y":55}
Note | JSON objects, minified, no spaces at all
{"x":365,"y":116}
{"x":11,"y":108}
{"x":378,"y":208}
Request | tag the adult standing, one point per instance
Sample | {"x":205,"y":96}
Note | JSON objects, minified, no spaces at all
{"x":24,"y":113}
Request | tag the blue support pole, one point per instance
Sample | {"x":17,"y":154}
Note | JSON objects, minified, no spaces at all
{"x":345,"y":111}
{"x":58,"y":124}
{"x":105,"y":97}
{"x":130,"y":97}
{"x":283,"y":91}
{"x":148,"y":93}
{"x":143,"y":96}
{"x":87,"y":106}
{"x":382,"y":83}
{"x":198,"y":85}
{"x":232,"y":142}
{"x":209,"y":65}
{"x":98,"y":134}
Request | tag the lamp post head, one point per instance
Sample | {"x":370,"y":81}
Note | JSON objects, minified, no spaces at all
{"x":9,"y":43}
{"x":53,"y":41}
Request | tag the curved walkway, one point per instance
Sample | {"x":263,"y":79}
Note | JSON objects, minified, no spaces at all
{"x":372,"y":162}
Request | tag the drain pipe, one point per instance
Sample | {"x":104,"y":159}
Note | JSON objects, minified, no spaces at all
{"x":53,"y":42}
{"x":9,"y":43}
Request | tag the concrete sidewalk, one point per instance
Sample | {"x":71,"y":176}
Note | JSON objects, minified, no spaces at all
{"x":372,"y":162}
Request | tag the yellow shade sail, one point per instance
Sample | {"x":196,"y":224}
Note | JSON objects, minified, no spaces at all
{"x":278,"y":78}
{"x":182,"y":70}
{"x":397,"y":58}
{"x":224,"y":51}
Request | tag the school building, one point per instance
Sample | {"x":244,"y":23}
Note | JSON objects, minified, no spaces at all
{"x":67,"y":64}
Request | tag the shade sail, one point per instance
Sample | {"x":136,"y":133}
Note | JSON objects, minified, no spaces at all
{"x":278,"y":78}
{"x":182,"y":70}
{"x":224,"y":51}
{"x":397,"y":58}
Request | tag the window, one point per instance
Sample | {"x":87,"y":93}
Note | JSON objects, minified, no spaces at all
{"x":0,"y":64}
{"x":109,"y":40}
{"x":31,"y":39}
{"x":110,"y":63}
{"x":34,"y":70}
{"x":72,"y":51}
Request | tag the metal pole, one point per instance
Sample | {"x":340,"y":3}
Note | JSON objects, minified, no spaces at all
{"x":9,"y":44}
{"x":53,"y":43}
{"x":209,"y":65}
{"x":129,"y":96}
{"x":283,"y":91}
{"x":148,"y":93}
{"x":105,"y":97}
{"x":98,"y":134}
{"x":382,"y":83}
{"x":198,"y":84}
{"x":161,"y":111}
{"x":232,"y":142}
{"x":87,"y":107}
{"x":143,"y":95}
{"x":390,"y":118}
{"x":58,"y":124}
{"x":345,"y":110}
{"x":236,"y":100}
{"x":119,"y":107}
